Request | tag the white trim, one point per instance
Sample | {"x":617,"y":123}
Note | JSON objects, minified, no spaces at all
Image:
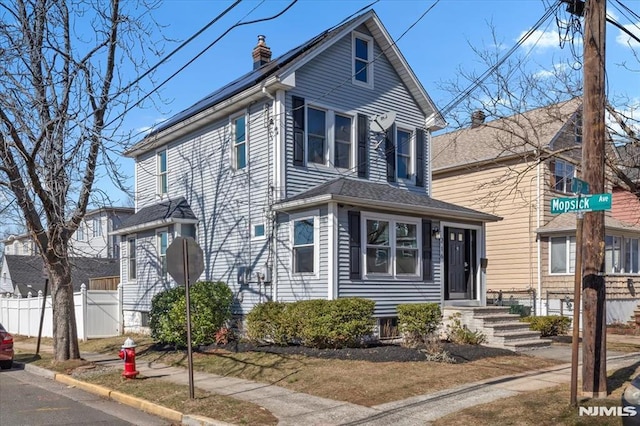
{"x":129,"y":238}
{"x":412,"y":155}
{"x":332,"y":251}
{"x":392,"y":219}
{"x":369,"y":67}
{"x":568,"y":263}
{"x":158,"y":174}
{"x":254,"y":237}
{"x":152,"y":225}
{"x":480,"y":278}
{"x":280,"y":160}
{"x":315,"y":215}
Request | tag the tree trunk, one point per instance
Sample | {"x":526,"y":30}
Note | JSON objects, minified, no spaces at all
{"x":65,"y":345}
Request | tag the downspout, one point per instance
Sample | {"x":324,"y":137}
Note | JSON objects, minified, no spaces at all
{"x":538,"y":245}
{"x":272,"y":178}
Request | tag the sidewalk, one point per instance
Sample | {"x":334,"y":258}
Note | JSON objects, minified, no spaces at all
{"x":294,"y":408}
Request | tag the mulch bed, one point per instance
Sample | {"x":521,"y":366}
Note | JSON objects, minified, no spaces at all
{"x":374,"y":353}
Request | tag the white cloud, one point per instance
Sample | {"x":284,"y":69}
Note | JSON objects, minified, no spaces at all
{"x":147,"y":129}
{"x":624,"y":39}
{"x":541,"y":39}
{"x":556,"y":70}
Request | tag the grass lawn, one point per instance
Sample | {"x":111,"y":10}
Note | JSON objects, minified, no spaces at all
{"x":546,"y":407}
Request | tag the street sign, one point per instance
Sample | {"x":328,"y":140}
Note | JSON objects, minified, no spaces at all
{"x":589,"y":203}
{"x":578,"y":186}
{"x":176,"y":260}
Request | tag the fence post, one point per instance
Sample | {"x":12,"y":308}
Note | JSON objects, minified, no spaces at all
{"x":83,"y":310}
{"x":120,"y":310}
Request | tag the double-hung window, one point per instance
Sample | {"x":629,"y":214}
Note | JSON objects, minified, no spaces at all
{"x":563,"y":173}
{"x":392,"y":247}
{"x":632,"y":255}
{"x":563,"y":255}
{"x":97,"y":228}
{"x":404,"y":160}
{"x":316,"y":135}
{"x":240,"y":142}
{"x":342,"y":141}
{"x":131,"y":252}
{"x":161,"y":165}
{"x":163,"y":243}
{"x":304,"y":230}
{"x":80,"y":232}
{"x":362,"y":48}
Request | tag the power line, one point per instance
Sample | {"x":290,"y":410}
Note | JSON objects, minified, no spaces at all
{"x":193,"y":59}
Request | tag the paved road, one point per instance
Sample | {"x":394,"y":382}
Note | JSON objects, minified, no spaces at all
{"x":28,"y":399}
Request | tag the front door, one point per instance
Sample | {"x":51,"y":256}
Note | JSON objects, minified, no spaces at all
{"x":459,"y":263}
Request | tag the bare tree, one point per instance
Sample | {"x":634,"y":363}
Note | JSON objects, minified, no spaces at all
{"x":61,"y":103}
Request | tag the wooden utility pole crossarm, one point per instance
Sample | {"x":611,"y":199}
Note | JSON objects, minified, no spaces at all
{"x":594,"y":369}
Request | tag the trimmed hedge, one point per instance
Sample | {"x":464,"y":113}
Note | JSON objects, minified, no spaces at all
{"x":418,"y":321}
{"x":210,"y":310}
{"x":314,"y":323}
{"x":551,"y":325}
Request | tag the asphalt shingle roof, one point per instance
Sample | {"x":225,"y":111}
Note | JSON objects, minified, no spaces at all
{"x":382,"y":193}
{"x":504,"y":137}
{"x":177,"y":208}
{"x":567,"y":222}
{"x":27,"y":271}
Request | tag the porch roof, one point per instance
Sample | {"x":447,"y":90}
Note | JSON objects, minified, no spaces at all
{"x":176,"y":210}
{"x":380,"y":196}
{"x":566,"y":222}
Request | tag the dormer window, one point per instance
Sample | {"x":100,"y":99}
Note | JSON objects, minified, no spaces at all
{"x":362,"y":48}
{"x":562,"y":174}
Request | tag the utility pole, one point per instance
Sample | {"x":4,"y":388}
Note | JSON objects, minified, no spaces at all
{"x":594,"y":368}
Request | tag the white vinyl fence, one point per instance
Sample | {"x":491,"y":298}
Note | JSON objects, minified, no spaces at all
{"x":98,"y":314}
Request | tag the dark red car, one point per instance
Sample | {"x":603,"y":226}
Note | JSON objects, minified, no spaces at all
{"x":6,"y":349}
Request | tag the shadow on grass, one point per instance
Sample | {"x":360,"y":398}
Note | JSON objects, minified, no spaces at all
{"x":619,"y":377}
{"x":26,"y":358}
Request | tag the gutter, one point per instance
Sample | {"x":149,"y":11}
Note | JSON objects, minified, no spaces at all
{"x":152,"y":225}
{"x":388,"y":206}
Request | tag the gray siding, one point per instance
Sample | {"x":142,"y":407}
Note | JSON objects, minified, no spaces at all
{"x":227,"y":202}
{"x":291,"y":287}
{"x":146,"y":190}
{"x":326,"y":82}
{"x":386,"y":293}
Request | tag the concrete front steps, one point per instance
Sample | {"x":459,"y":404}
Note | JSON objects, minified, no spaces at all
{"x":503,"y":330}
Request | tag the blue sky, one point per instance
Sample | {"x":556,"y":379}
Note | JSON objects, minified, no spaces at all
{"x":436,"y":47}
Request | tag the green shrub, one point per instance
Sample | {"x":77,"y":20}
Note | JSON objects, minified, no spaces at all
{"x":269,"y":322}
{"x":418,"y":322}
{"x":551,"y":325}
{"x":522,"y":310}
{"x":459,"y":333}
{"x":210,"y":310}
{"x":315,"y":323}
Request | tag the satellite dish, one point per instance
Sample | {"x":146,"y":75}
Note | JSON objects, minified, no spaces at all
{"x":380,"y":123}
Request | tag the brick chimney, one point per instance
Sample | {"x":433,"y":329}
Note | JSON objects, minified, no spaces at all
{"x":477,"y":118}
{"x":261,"y":53}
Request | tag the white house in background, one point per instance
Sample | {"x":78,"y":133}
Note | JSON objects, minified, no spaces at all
{"x":92,"y":238}
{"x":308,"y":177}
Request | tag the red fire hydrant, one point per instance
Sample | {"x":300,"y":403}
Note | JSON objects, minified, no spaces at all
{"x":128,"y":354}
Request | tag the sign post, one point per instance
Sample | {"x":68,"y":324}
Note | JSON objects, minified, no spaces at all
{"x":581,"y":204}
{"x":185,"y":264}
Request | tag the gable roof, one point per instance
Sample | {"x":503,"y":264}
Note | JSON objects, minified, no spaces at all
{"x":175,"y":210}
{"x":276,"y":71}
{"x":27,"y":271}
{"x":502,"y":138}
{"x":382,"y":196}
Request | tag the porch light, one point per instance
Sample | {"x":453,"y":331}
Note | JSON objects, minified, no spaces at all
{"x":436,"y":232}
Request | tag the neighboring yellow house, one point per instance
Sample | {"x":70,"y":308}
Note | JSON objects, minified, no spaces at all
{"x":512,"y":167}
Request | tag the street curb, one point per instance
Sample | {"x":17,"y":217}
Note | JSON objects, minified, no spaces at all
{"x":122,"y":398}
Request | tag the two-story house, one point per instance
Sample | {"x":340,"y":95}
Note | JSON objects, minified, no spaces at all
{"x":91,"y":239}
{"x":308,"y":177}
{"x":513,"y":167}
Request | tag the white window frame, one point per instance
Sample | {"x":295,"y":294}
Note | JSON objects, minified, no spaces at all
{"x":369,"y":60}
{"x":625,"y":242}
{"x":628,"y":243}
{"x":162,"y":183}
{"x":253,"y":231}
{"x":566,"y":186}
{"x":234,"y":145}
{"x":97,"y":227}
{"x":392,"y":219}
{"x":330,"y":137}
{"x":569,"y":240}
{"x":132,"y":239}
{"x":162,"y":258}
{"x":80,"y":232}
{"x":315,"y":215}
{"x":412,"y":156}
